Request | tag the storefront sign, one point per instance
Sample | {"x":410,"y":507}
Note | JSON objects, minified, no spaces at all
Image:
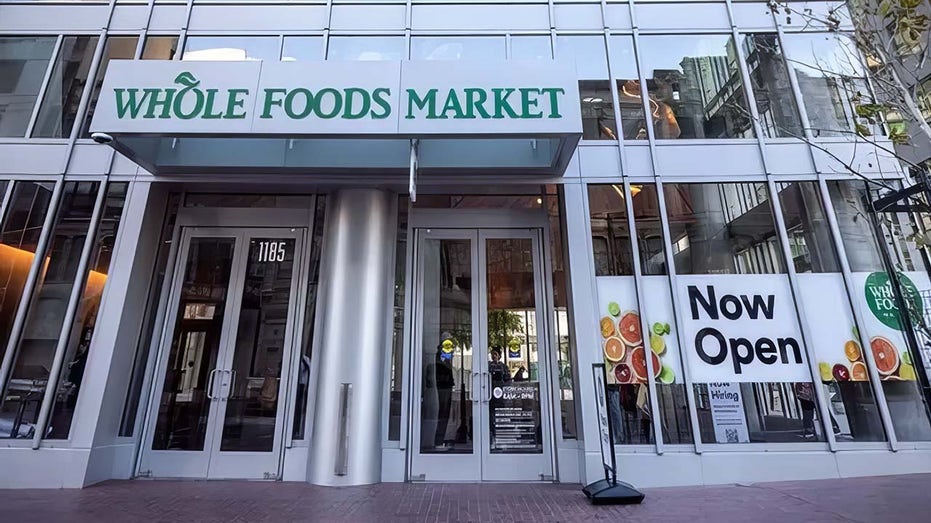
{"x":515,"y":418}
{"x":310,"y":98}
{"x":727,"y":413}
{"x":741,"y":328}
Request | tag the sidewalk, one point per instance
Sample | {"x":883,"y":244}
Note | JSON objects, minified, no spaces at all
{"x":889,"y":498}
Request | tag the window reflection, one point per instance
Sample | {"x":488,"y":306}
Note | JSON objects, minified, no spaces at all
{"x":365,"y":48}
{"x":597,"y":103}
{"x":629,"y":92}
{"x":806,"y":226}
{"x":115,"y":48}
{"x":160,"y":48}
{"x":23,"y":64}
{"x":722,"y":228}
{"x":66,"y":85}
{"x":302,"y":48}
{"x":230,"y":48}
{"x":531,"y":47}
{"x":19,"y":409}
{"x":613,"y":256}
{"x":830,"y":77}
{"x":769,"y":78}
{"x":695,"y":88}
{"x":479,"y":48}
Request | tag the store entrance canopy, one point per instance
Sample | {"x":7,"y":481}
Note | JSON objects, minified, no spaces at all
{"x":176,"y":117}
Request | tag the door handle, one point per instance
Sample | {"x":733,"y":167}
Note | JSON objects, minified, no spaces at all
{"x":486,"y":393}
{"x":229,"y":391}
{"x":473,"y":397}
{"x":211,"y":378}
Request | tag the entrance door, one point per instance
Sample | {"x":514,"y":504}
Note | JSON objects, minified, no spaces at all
{"x":219,"y":409}
{"x":481,"y":408}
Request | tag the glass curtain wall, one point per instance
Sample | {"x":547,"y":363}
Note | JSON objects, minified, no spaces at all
{"x":59,"y":109}
{"x":23,"y":65}
{"x":739,"y":317}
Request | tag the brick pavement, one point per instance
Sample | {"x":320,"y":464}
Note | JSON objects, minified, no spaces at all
{"x":890,"y":498}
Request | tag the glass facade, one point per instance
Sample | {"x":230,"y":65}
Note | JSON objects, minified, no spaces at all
{"x":740,"y":290}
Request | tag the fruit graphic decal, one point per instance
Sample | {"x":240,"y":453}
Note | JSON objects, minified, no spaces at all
{"x":624,"y":350}
{"x":889,"y":363}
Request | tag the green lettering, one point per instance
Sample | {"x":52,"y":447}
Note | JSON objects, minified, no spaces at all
{"x":208,"y":110}
{"x":271,"y":101}
{"x":527,"y":103}
{"x":133,"y":106}
{"x":234,"y":102}
{"x":501,"y":102}
{"x":452,"y":104}
{"x":475,"y":99}
{"x":337,"y":103}
{"x":380,"y":97}
{"x":308,"y":105}
{"x":363,"y":110}
{"x":554,"y":101}
{"x":178,"y":104}
{"x":155,"y":102}
{"x":429,"y":100}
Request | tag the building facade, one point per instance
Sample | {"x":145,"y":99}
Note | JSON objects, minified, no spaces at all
{"x":345,"y":242}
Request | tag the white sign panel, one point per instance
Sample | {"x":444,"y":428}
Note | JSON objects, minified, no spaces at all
{"x":727,"y":413}
{"x":333,"y":97}
{"x":741,"y":328}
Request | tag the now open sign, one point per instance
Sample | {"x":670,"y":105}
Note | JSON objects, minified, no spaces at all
{"x":741,"y":328}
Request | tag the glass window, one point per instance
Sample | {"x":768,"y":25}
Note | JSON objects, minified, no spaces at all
{"x":63,"y":95}
{"x":160,"y":48}
{"x":231,"y":48}
{"x":854,"y":415}
{"x":591,"y":63}
{"x":830,"y":77}
{"x":80,"y":332}
{"x":23,"y":64}
{"x":367,"y":48}
{"x":630,"y":97}
{"x":19,"y":410}
{"x":298,"y":431}
{"x":722,"y":228}
{"x":19,"y":237}
{"x":809,"y":233}
{"x":115,"y":48}
{"x":302,"y":49}
{"x":769,"y":79}
{"x":884,"y":325}
{"x":478,"y":48}
{"x":396,"y":378}
{"x":627,"y":390}
{"x":144,"y":346}
{"x":553,"y":202}
{"x":531,"y":47}
{"x":609,"y":229}
{"x":696,"y":87}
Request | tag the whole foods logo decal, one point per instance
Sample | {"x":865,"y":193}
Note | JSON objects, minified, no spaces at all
{"x":881,"y":300}
{"x":187,"y":99}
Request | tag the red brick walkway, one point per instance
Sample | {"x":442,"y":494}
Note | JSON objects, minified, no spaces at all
{"x":891,"y":498}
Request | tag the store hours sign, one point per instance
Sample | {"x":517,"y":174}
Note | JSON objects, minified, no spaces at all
{"x":741,"y":328}
{"x":327,"y":98}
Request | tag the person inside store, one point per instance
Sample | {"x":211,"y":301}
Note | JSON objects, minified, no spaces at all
{"x":806,"y":398}
{"x":441,"y":373}
{"x":497,"y":369}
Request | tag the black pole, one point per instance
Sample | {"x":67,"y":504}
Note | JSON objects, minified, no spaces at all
{"x":905,"y":321}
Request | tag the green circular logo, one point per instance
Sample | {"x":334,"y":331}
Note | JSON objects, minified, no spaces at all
{"x":881,"y":300}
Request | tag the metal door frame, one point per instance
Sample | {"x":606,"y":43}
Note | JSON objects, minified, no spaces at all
{"x":185,"y":230}
{"x":441,"y":223}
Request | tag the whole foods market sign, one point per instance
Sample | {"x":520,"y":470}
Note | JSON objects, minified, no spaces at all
{"x":327,"y":98}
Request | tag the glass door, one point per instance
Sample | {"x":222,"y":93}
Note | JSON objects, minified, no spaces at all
{"x":218,"y":411}
{"x":514,"y":371}
{"x":480,"y":409}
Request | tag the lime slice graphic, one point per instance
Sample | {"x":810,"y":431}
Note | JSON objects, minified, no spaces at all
{"x":658,"y":329}
{"x":614,"y":309}
{"x":666,"y":328}
{"x":666,"y":375}
{"x":658,"y":344}
{"x":907,"y":357}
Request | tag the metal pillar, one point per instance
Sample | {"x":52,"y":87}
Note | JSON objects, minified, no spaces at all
{"x":356,"y":290}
